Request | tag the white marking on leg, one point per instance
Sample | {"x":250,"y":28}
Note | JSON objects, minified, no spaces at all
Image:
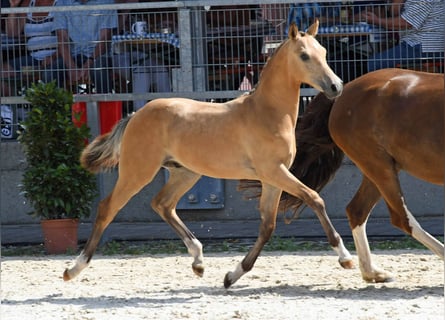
{"x":343,"y":253}
{"x":238,"y":273}
{"x":362,"y":247}
{"x":422,"y":236}
{"x":81,"y":263}
{"x":370,"y":272}
{"x":194,"y":248}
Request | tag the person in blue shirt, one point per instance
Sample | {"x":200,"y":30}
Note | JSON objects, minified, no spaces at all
{"x":84,"y":38}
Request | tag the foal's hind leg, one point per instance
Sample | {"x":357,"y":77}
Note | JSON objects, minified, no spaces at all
{"x":270,"y":196}
{"x":136,"y":169}
{"x":107,"y":210}
{"x":164,"y":203}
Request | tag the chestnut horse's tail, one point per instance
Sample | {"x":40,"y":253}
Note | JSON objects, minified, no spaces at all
{"x":318,"y":157}
{"x":103,"y":153}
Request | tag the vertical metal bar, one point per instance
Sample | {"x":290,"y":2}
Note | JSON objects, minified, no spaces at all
{"x":93,"y":118}
{"x":94,"y":125}
{"x":185,"y":83}
{"x":200,"y":49}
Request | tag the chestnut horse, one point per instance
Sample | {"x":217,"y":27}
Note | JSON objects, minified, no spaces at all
{"x":251,"y":137}
{"x":385,"y":121}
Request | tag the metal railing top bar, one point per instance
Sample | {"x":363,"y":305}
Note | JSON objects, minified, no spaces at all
{"x":114,"y":6}
{"x":153,"y":5}
{"x":199,"y":95}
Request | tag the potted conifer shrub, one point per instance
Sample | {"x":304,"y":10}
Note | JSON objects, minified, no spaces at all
{"x":57,"y":187}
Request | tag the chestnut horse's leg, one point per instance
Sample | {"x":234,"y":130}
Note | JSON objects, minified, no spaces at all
{"x":386,"y":180}
{"x":270,"y":197}
{"x":358,"y":211}
{"x":164,"y":203}
{"x":402,"y":218}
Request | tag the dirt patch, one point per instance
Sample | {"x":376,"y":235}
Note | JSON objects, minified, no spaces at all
{"x":308,"y":285}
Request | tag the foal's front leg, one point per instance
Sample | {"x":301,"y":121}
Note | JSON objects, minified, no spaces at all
{"x":270,"y":196}
{"x":295,"y":187}
{"x":164,"y":203}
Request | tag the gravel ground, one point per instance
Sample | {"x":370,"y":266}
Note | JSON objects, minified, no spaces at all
{"x":297,"y":285}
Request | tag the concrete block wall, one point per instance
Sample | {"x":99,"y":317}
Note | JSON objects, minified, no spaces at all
{"x":423,"y":199}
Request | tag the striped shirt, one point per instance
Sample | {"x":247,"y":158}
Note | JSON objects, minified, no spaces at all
{"x":427,"y":18}
{"x":41,"y":40}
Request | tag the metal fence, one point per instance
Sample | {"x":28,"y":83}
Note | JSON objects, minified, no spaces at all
{"x":207,"y":50}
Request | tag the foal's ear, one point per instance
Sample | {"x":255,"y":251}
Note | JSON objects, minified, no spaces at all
{"x":313,"y":29}
{"x":293,"y":31}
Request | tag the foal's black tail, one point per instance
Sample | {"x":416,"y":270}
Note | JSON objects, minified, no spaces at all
{"x":318,"y":157}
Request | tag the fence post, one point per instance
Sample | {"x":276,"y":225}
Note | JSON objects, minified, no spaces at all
{"x":184,"y":80}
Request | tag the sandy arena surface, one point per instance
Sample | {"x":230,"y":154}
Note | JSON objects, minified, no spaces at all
{"x":302,"y":285}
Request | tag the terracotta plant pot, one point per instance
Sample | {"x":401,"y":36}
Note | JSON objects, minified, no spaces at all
{"x":60,"y":235}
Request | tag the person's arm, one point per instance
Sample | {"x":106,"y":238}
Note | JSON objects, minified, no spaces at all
{"x":101,"y":48}
{"x":75,"y":74}
{"x":124,"y":16}
{"x":15,"y":22}
{"x":389,"y":23}
{"x":396,"y":8}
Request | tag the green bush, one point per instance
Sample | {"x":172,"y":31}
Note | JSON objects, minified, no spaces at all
{"x":54,"y":182}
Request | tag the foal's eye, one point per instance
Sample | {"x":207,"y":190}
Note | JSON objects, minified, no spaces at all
{"x":304,"y":57}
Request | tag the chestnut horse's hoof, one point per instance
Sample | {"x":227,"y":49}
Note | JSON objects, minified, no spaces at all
{"x":347,"y":264}
{"x":66,"y":276}
{"x":379,"y":277}
{"x":198,"y":270}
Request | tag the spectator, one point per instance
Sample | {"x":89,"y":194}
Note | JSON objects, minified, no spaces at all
{"x":84,"y":38}
{"x":6,"y":74}
{"x":6,"y":71}
{"x":233,"y":56}
{"x":423,"y":38}
{"x":145,"y":71}
{"x":41,"y":41}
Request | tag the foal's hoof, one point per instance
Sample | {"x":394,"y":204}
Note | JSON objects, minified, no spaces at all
{"x":198,"y":269}
{"x":227,"y":281}
{"x":347,"y":264}
{"x":66,"y":276}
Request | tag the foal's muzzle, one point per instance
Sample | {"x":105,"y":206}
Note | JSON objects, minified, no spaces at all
{"x":333,"y":90}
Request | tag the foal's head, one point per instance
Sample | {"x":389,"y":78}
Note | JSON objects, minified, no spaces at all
{"x":307,"y":59}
